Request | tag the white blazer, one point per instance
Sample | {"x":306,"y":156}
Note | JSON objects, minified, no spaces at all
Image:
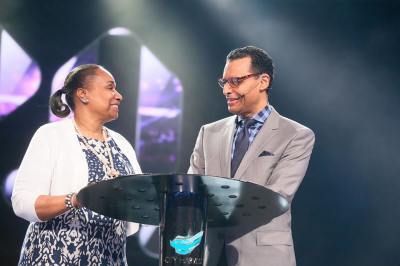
{"x":54,"y":164}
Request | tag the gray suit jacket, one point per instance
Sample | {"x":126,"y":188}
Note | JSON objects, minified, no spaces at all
{"x":277,"y":159}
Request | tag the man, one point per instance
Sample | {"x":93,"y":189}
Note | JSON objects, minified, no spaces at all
{"x":257,"y":145}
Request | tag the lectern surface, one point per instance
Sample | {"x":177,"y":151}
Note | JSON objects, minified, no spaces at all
{"x":137,"y":198}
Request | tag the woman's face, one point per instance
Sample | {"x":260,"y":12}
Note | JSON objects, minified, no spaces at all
{"x":103,"y":97}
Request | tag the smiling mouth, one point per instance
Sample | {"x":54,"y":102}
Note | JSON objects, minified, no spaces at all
{"x":232,"y":100}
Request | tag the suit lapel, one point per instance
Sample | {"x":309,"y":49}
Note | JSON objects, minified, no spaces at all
{"x":268,"y":130}
{"x":226,"y":138}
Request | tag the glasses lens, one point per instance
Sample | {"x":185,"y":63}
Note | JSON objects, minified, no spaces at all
{"x":221,"y":83}
{"x":234,"y":82}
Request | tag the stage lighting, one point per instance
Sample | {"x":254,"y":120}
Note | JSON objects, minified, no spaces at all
{"x":20,"y":76}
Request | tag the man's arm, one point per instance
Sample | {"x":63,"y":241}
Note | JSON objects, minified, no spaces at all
{"x":291,"y":168}
{"x":197,"y":164}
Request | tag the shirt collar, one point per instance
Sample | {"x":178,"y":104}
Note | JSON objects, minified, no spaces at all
{"x":260,"y":117}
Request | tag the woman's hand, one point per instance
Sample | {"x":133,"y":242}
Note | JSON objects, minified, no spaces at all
{"x":75,"y":202}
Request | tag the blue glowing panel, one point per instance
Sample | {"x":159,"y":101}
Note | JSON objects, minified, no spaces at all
{"x":20,"y":76}
{"x":159,"y":115}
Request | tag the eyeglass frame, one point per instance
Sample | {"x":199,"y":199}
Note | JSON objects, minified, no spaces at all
{"x":231,"y":81}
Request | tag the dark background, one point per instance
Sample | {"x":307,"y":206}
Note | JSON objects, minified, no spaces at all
{"x":337,"y":72}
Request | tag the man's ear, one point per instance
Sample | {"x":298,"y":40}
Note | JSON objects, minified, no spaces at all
{"x":265,"y":79}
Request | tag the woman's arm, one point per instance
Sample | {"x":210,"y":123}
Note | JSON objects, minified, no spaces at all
{"x":31,"y":198}
{"x":48,"y":207}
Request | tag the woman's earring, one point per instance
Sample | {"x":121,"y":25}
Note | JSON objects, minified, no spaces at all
{"x":84,"y":100}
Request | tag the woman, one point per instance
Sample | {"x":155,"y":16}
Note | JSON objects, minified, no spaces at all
{"x":64,"y":157}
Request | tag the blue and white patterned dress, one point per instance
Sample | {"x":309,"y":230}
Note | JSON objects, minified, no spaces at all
{"x":81,"y":237}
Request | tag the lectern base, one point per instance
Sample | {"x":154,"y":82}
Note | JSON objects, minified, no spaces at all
{"x":183,"y":223}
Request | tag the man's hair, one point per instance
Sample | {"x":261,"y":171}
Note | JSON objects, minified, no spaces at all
{"x":261,"y":62}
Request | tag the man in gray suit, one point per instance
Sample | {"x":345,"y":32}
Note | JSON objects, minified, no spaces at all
{"x":258,"y":145}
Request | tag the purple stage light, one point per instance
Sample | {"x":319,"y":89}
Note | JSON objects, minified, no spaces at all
{"x":20,"y":76}
{"x":159,"y":112}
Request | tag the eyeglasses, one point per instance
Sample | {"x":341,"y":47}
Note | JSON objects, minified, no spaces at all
{"x":235,"y":81}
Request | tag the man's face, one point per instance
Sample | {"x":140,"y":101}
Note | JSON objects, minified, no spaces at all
{"x":248,"y":97}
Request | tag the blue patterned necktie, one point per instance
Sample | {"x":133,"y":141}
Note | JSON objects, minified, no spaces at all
{"x":241,"y":145}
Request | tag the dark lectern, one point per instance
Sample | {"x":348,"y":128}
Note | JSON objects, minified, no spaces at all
{"x":183,"y":206}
